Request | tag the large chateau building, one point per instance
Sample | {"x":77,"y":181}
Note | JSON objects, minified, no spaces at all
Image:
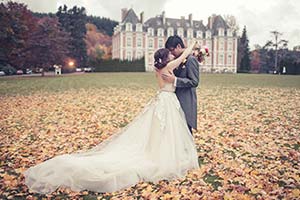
{"x":135,"y":38}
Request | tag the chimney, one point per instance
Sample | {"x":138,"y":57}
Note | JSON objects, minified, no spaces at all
{"x":191,"y":19}
{"x":163,"y":15}
{"x":211,"y":20}
{"x":123,"y":14}
{"x":142,"y":17}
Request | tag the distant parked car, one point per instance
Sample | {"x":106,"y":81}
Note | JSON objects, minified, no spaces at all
{"x":2,"y":73}
{"x":19,"y":72}
{"x":87,"y":69}
{"x":28,"y":71}
{"x":78,"y":70}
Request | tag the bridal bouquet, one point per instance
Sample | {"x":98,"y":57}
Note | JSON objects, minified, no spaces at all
{"x":201,"y":53}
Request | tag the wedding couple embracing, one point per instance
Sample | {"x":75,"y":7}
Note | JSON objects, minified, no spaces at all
{"x":157,"y":145}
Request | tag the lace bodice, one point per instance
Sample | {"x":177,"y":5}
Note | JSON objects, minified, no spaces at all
{"x":168,"y":87}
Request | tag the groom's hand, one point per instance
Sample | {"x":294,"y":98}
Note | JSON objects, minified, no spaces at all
{"x":168,"y":77}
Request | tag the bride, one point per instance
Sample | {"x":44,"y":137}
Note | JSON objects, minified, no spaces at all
{"x":156,"y":145}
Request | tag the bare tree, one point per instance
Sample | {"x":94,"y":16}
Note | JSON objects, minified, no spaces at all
{"x":277,"y":44}
{"x":232,"y":23}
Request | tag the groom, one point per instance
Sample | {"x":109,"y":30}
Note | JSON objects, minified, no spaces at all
{"x":186,"y":79}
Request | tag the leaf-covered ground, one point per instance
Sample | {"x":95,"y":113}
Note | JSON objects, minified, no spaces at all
{"x":248,"y":138}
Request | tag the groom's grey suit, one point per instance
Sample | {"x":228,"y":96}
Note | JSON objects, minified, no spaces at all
{"x":186,"y":83}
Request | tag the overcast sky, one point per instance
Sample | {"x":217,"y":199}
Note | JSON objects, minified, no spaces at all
{"x":259,"y":16}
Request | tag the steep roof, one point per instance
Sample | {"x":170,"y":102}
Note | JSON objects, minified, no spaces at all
{"x":157,"y":22}
{"x":131,"y":17}
{"x":218,"y":22}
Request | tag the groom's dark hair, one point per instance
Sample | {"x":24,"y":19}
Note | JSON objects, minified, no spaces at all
{"x":173,"y":41}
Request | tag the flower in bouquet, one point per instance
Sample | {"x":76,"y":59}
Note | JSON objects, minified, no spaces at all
{"x":201,"y":54}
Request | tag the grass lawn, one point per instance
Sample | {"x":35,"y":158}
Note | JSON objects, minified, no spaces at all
{"x":28,"y":85}
{"x":247,"y":139}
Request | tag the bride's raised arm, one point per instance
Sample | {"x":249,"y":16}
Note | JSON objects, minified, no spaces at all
{"x":175,"y":63}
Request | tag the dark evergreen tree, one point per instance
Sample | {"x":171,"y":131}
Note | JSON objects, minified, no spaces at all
{"x":73,"y":21}
{"x":244,"y":53}
{"x":41,"y":15}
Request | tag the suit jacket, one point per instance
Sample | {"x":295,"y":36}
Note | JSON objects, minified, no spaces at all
{"x":187,"y":82}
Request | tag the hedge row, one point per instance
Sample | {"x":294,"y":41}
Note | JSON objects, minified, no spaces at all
{"x":120,"y":66}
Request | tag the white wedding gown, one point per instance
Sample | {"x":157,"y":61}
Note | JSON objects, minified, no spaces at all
{"x":156,"y":145}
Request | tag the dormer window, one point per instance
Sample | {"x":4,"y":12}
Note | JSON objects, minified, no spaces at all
{"x":221,"y":32}
{"x":180,"y":32}
{"x":170,"y":31}
{"x":139,"y":27}
{"x":199,"y":34}
{"x":208,"y":34}
{"x":150,"y":32}
{"x":160,"y":32}
{"x":128,"y":27}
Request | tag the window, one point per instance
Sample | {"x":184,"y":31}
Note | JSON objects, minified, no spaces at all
{"x":170,"y":32}
{"x":221,"y":46}
{"x":139,"y":27}
{"x":150,"y":32}
{"x":180,"y":32}
{"x":199,"y":34}
{"x":151,"y":43}
{"x":221,"y":59}
{"x":128,"y":27}
{"x":208,"y":34}
{"x":229,"y":46}
{"x":229,"y":32}
{"x":160,"y":43}
{"x":190,"y":33}
{"x":221,"y":32}
{"x":208,"y":45}
{"x":139,"y":55}
{"x":128,"y":55}
{"x":128,"y":42}
{"x":139,"y":42}
{"x":160,"y":32}
{"x":229,"y":59}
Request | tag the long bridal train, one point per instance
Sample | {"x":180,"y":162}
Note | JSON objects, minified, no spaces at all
{"x":155,"y":146}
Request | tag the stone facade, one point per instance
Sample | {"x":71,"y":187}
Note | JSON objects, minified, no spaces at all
{"x":133,"y":39}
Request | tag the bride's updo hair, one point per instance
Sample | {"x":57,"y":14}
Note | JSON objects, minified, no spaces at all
{"x":161,"y":58}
